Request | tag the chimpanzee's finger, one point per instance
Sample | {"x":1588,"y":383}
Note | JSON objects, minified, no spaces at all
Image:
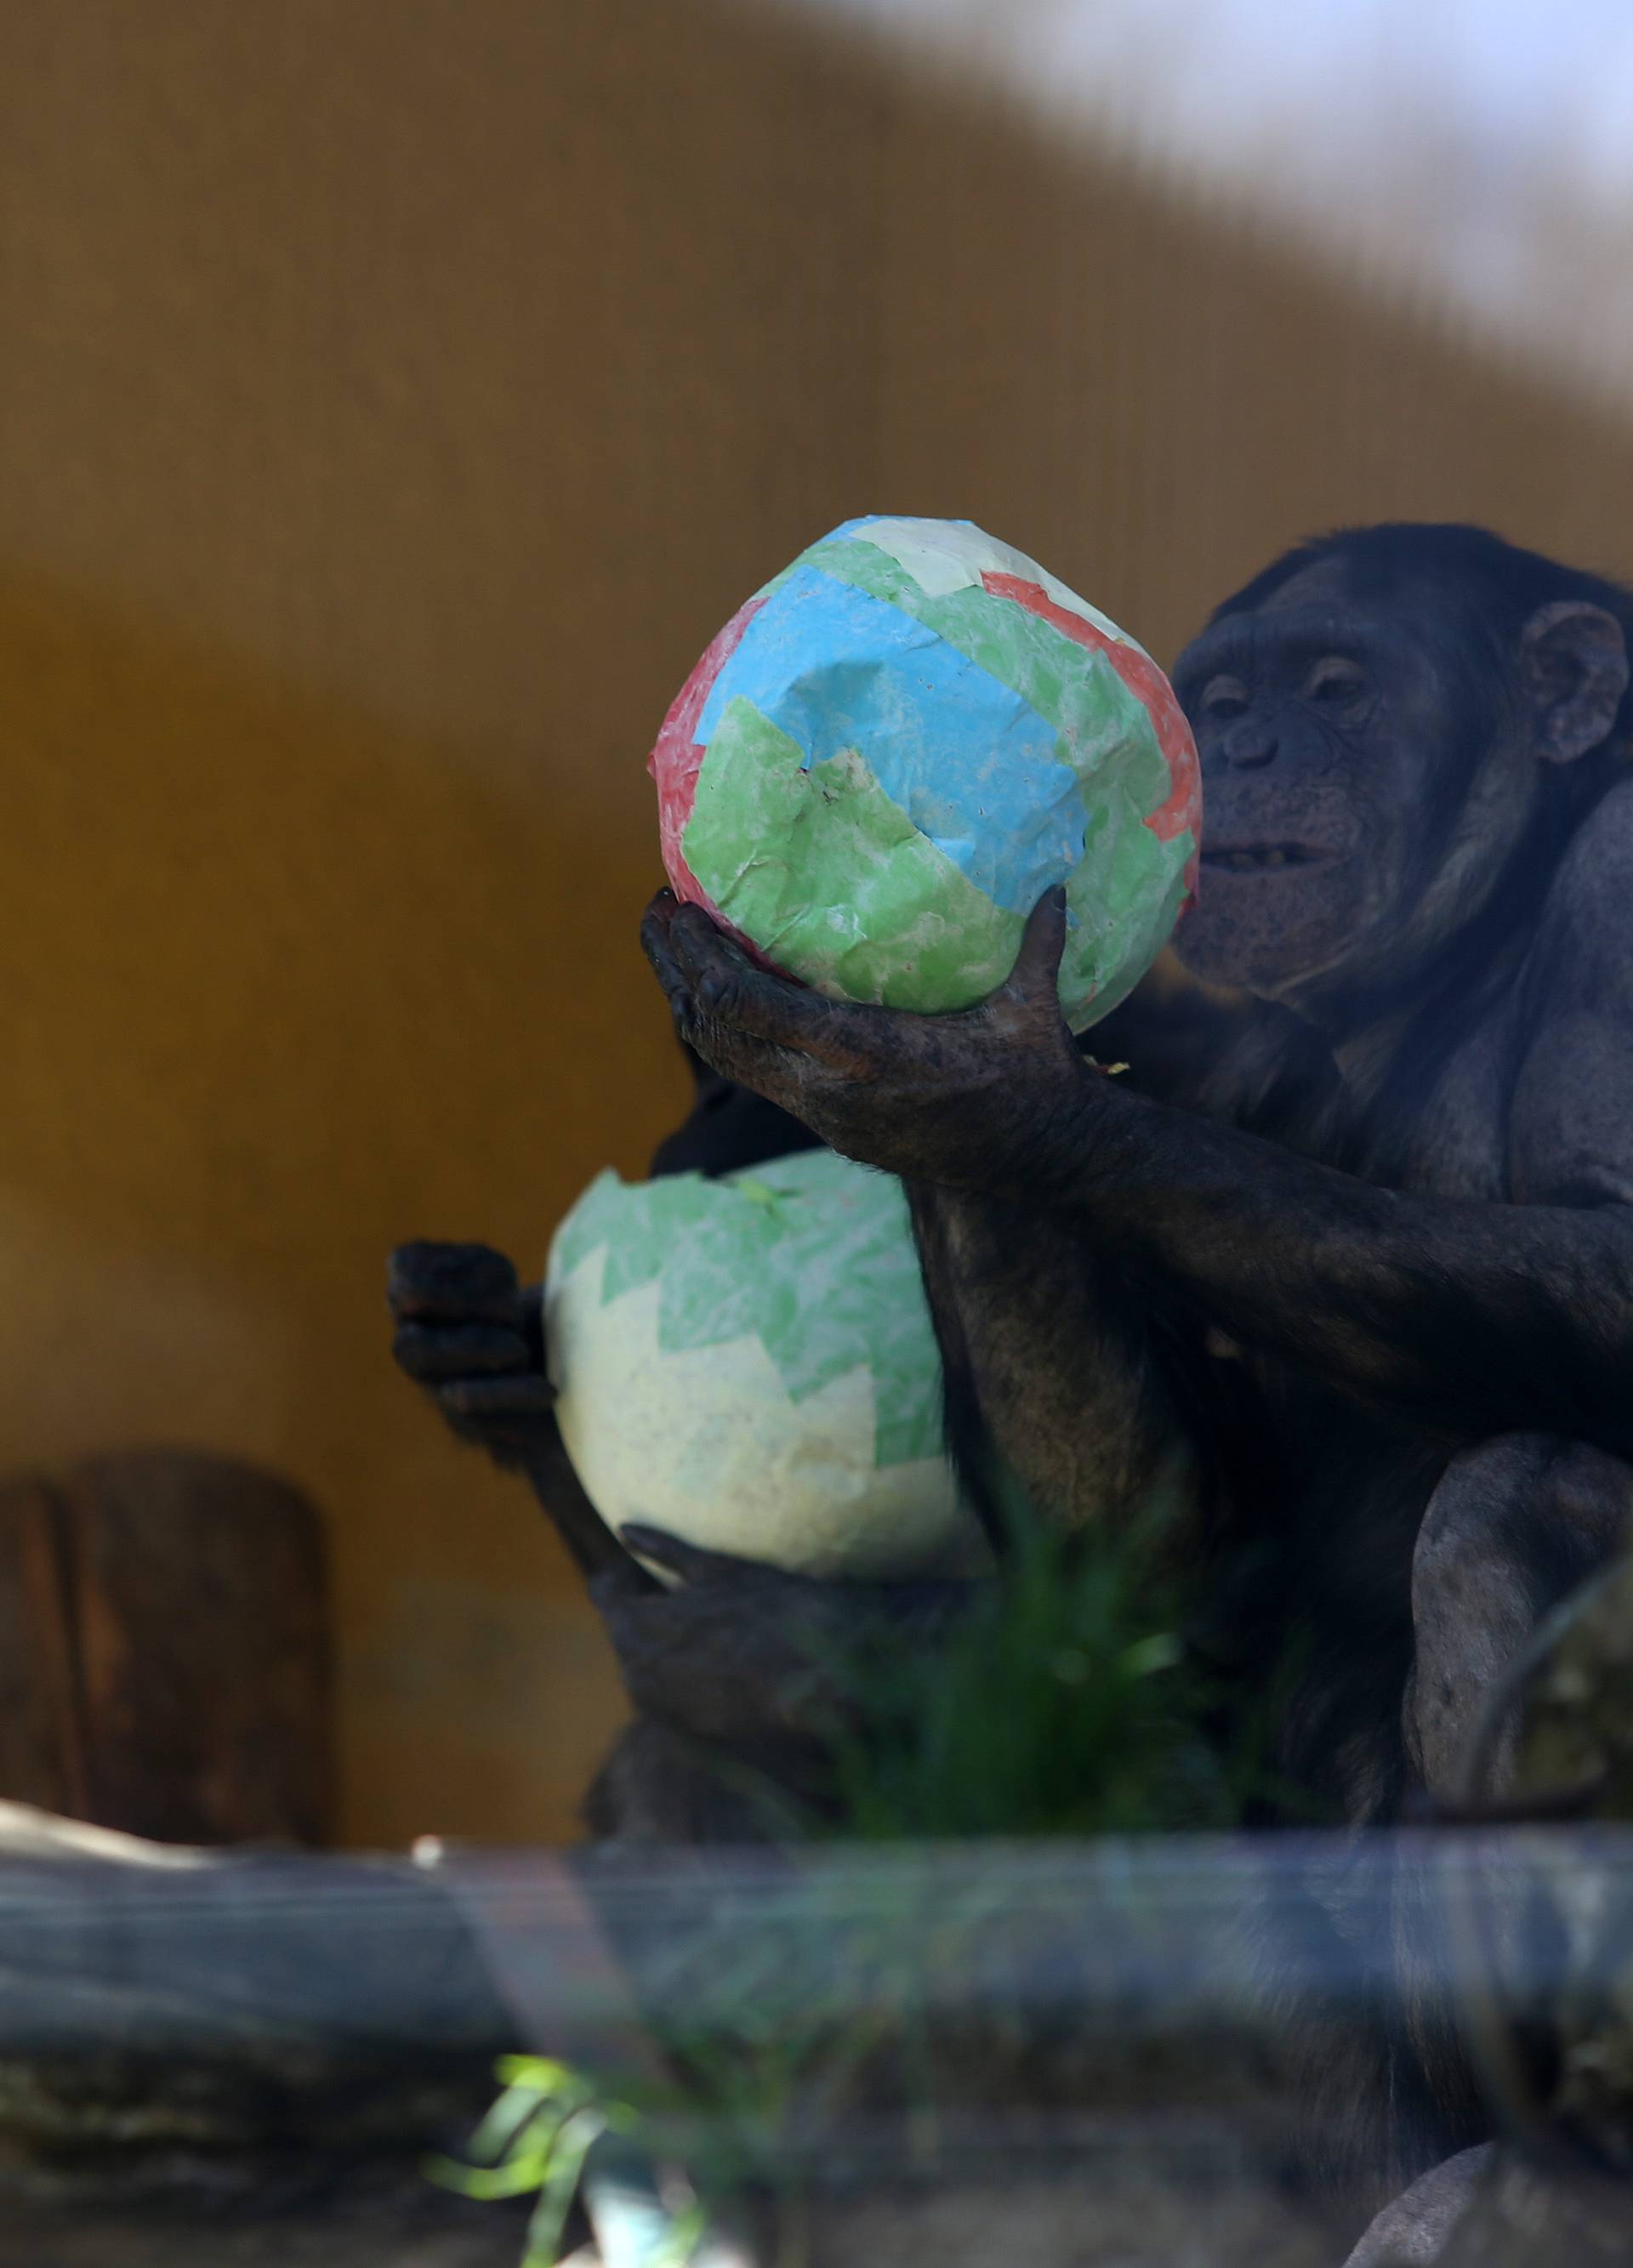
{"x":1033,"y":980}
{"x":730,"y":990}
{"x":719,"y":1570}
{"x":530,"y":1322}
{"x":726,"y":1042}
{"x":522,"y":1395}
{"x":655,"y":940}
{"x":459,"y":1283}
{"x":654,"y":936}
{"x":616,"y":1579}
{"x":710,"y":959}
{"x":435,"y":1353}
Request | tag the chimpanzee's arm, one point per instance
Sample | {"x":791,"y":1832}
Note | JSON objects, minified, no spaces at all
{"x":1465,"y":1318}
{"x":1469,"y":1319}
{"x":1049,"y":1359}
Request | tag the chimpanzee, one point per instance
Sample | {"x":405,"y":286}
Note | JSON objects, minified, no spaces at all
{"x":1354,"y":1226}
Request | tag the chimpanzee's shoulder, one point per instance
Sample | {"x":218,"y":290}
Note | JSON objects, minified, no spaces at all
{"x":1587,"y":924}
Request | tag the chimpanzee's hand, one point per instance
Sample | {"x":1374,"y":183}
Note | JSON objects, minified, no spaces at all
{"x":974,"y":1099}
{"x":745,"y":1657}
{"x":471,"y":1336}
{"x":474,"y":1340}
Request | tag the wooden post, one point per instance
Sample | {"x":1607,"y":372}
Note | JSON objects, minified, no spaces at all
{"x":200,"y":1605}
{"x":41,"y":1727}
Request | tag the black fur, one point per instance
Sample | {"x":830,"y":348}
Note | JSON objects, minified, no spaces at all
{"x":1347,"y":1254}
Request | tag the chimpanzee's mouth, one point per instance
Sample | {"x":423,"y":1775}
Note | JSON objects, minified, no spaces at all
{"x":1263,"y":858}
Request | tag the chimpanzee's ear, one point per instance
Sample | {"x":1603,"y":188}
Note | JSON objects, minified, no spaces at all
{"x":1573,"y":671}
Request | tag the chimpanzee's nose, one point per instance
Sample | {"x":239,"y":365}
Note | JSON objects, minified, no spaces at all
{"x":1250,"y":744}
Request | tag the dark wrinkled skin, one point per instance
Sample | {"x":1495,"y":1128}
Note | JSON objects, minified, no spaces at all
{"x":1348,"y":1252}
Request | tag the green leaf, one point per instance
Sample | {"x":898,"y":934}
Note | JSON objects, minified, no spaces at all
{"x":560,"y":2187}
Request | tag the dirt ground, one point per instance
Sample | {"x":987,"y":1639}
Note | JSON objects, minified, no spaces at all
{"x":383,"y":2218}
{"x":392,"y":2218}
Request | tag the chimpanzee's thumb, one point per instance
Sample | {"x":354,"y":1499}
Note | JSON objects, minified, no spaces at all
{"x":1036,"y":969}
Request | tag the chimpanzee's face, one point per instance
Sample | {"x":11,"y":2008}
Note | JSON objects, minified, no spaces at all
{"x":1337,"y":761}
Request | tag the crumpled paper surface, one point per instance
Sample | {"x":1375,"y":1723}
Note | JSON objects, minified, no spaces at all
{"x":749,"y":1363}
{"x":903,"y":742}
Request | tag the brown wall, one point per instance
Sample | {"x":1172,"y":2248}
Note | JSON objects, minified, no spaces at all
{"x":1155,"y":408}
{"x":393,"y":397}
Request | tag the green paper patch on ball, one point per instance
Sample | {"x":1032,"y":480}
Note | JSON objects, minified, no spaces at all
{"x":896,"y":748}
{"x":749,"y":1363}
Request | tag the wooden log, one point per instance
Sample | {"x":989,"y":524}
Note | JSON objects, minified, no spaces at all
{"x":199,"y":1601}
{"x":41,"y":1729}
{"x":345,"y":2216}
{"x":152,"y":1996}
{"x":1105,"y":2035}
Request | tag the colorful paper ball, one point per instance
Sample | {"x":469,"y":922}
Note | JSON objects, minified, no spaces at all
{"x":894,"y":749}
{"x":750,"y":1363}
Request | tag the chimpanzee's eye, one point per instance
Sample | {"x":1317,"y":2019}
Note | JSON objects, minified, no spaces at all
{"x":1223,"y":698}
{"x":1334,"y":679}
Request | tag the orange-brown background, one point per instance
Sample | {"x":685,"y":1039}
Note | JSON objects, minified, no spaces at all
{"x":394,"y":395}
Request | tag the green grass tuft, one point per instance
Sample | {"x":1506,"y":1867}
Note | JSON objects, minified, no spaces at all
{"x":1068,"y":1705}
